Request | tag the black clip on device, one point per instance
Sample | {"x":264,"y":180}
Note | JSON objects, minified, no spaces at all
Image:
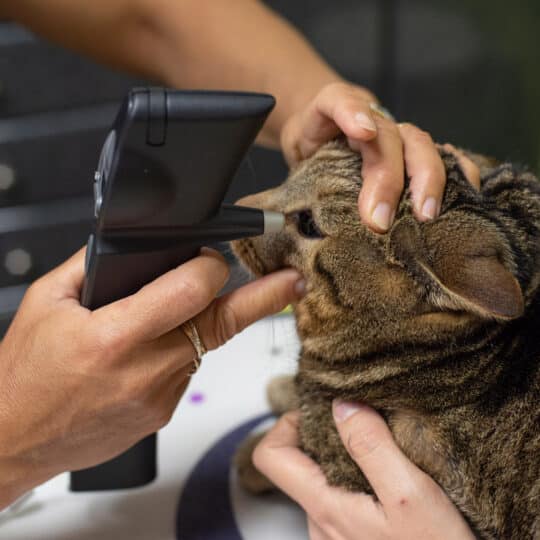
{"x":162,"y":175}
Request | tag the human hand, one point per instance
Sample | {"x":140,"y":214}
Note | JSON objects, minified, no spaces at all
{"x":409,"y":505}
{"x":79,"y":387}
{"x":385,"y":147}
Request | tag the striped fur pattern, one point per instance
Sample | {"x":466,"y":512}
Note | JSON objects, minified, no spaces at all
{"x":435,"y":324}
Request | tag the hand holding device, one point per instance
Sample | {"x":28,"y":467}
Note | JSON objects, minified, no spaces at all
{"x":162,"y":175}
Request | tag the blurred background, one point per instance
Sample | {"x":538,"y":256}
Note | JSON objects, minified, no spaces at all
{"x":467,"y":71}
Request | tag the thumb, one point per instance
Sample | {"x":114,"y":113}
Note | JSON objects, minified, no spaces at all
{"x":233,"y":312}
{"x":369,"y":442}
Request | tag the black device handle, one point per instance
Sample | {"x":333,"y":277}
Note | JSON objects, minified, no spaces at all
{"x":145,"y":255}
{"x":134,"y":468}
{"x":163,"y":172}
{"x":119,"y":276}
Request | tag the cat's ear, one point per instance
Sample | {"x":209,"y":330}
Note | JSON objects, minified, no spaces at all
{"x":459,"y":274}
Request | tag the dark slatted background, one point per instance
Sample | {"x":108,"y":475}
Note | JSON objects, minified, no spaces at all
{"x":465,"y":70}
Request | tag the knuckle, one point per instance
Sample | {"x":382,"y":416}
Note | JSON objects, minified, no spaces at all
{"x":322,"y":516}
{"x":424,"y":139}
{"x":109,"y":343}
{"x":406,"y":126}
{"x":163,"y":416}
{"x":335,"y":88}
{"x":385,"y":178}
{"x":136,"y":392}
{"x":101,"y":353}
{"x":227,"y":325}
{"x":420,"y":136}
{"x":362,"y":441}
{"x":193,"y":292}
{"x":389,"y":130}
{"x":151,"y":411}
{"x":34,"y":292}
{"x":114,"y":336}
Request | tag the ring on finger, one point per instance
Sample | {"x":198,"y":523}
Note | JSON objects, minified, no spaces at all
{"x":191,"y":332}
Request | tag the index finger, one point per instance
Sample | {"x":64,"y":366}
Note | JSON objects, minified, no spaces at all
{"x":278,"y":457}
{"x":371,"y":445}
{"x":383,"y":173}
{"x":168,"y":301}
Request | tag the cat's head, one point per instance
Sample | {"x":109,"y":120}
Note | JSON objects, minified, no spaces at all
{"x":363,"y":288}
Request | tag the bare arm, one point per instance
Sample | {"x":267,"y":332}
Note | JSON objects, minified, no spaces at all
{"x":229,"y":44}
{"x":234,"y":44}
{"x":243,"y":45}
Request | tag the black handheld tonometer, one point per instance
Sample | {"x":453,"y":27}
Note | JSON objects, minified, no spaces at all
{"x":162,"y":175}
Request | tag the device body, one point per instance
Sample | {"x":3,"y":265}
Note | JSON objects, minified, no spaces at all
{"x":162,"y":175}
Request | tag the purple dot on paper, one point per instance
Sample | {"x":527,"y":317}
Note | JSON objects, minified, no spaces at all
{"x":196,"y":397}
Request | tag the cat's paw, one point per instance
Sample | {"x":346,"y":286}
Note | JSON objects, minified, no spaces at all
{"x":281,"y":394}
{"x":248,"y":476}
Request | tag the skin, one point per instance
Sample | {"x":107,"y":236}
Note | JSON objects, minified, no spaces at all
{"x":135,"y":342}
{"x":116,"y":374}
{"x":408,"y":505}
{"x":160,"y":39}
{"x":359,"y":301}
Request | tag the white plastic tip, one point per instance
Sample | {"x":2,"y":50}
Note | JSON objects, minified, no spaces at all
{"x":273,"y":221}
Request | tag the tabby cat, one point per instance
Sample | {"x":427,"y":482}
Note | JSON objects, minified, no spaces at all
{"x":434,"y":324}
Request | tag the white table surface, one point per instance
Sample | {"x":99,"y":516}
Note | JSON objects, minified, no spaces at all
{"x":228,"y":391}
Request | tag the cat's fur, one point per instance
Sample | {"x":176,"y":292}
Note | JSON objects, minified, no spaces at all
{"x":435,"y":324}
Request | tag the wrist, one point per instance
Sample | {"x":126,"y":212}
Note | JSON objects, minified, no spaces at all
{"x":16,"y":479}
{"x":20,"y":467}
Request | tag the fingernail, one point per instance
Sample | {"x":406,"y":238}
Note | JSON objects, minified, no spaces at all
{"x":382,"y":216}
{"x":364,"y":121}
{"x":429,"y":209}
{"x":344,"y":409}
{"x":300,"y":288}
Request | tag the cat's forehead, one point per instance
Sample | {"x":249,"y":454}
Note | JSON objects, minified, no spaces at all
{"x":333,"y":171}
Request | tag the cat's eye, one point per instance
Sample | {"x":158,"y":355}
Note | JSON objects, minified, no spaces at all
{"x":306,"y":224}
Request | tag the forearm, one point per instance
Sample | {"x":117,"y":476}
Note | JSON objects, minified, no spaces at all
{"x":116,"y":32}
{"x":240,"y":44}
{"x":228,"y":44}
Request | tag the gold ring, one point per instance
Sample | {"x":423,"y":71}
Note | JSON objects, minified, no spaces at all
{"x":191,"y":332}
{"x":383,"y":112}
